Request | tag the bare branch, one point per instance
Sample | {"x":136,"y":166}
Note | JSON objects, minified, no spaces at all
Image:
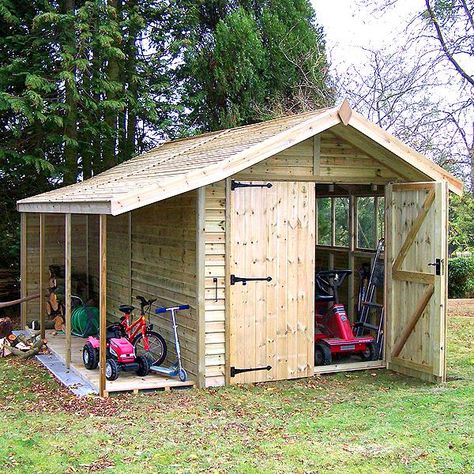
{"x":444,"y":46}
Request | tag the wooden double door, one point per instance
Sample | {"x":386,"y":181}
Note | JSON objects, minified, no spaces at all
{"x":272,"y":318}
{"x":271,"y":324}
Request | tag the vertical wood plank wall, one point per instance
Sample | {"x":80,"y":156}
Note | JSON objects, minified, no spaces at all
{"x":93,"y":260}
{"x":215,"y":268}
{"x":32,"y":264}
{"x":118,"y":263}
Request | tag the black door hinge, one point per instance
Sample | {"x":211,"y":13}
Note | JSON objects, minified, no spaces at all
{"x":238,"y":184}
{"x":437,"y":264}
{"x":235,"y":279}
{"x":234,"y":371}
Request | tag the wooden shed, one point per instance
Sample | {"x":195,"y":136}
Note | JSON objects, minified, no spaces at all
{"x":180,"y":223}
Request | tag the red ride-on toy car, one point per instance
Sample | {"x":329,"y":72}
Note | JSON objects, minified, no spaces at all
{"x":120,"y":355}
{"x":334,"y":334}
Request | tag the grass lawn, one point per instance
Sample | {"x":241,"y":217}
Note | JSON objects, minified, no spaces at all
{"x":373,"y":421}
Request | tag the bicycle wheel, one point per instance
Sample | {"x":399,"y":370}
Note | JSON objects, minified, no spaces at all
{"x":157,"y":347}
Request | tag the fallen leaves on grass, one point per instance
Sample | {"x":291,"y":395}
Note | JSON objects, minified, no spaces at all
{"x":31,"y":386}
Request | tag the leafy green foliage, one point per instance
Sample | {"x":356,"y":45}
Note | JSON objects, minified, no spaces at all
{"x":366,"y":222}
{"x":324,"y":221}
{"x":461,"y":277}
{"x":341,"y":216}
{"x":461,"y":223}
{"x":75,"y":87}
{"x":87,"y":84}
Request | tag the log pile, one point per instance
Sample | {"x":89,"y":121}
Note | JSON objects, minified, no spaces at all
{"x":55,"y":307}
{"x":23,"y":346}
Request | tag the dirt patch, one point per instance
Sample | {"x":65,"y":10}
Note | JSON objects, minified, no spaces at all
{"x":461,"y":307}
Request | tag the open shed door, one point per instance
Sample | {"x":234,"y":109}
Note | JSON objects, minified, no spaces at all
{"x":271,"y":322}
{"x":416,"y":247}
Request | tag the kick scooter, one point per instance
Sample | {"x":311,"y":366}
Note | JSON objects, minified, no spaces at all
{"x":176,"y":369}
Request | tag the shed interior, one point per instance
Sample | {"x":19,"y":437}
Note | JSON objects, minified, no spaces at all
{"x":350,"y":221}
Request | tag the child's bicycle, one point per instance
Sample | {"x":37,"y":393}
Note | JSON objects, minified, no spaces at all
{"x":146,"y":341}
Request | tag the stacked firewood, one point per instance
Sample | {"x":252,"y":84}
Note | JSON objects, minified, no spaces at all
{"x":55,"y":304}
{"x":23,"y":346}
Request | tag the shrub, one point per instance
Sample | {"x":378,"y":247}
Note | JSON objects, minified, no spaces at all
{"x":461,"y":277}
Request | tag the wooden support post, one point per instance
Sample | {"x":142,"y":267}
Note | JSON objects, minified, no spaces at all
{"x":317,"y":155}
{"x":444,"y":340}
{"x":333,"y":233}
{"x":130,"y":289}
{"x":41,"y":275}
{"x":87,"y":257}
{"x":103,"y":301}
{"x":67,"y":285}
{"x":388,"y":280}
{"x":351,"y":260}
{"x":23,"y":269}
{"x":227,"y":272}
{"x":376,"y":219}
{"x":201,"y":283}
{"x":333,"y":222}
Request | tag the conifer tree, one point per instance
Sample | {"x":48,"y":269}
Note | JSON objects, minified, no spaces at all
{"x":87,"y":84}
{"x":249,"y":60}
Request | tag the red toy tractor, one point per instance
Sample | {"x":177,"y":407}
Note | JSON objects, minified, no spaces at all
{"x":120,"y":355}
{"x":334,"y":334}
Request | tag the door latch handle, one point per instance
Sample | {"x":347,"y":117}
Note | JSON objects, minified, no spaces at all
{"x":437,"y":264}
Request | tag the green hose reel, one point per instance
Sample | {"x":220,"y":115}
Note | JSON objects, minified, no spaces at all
{"x":85,"y":321}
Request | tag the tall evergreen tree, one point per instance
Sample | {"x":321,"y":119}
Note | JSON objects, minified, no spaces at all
{"x":245,"y":61}
{"x":77,"y":80}
{"x":86,"y":84}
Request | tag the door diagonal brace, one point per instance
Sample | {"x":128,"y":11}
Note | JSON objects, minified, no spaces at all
{"x":417,"y":223}
{"x":413,"y":320}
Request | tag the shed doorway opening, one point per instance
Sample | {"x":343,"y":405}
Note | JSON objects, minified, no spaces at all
{"x":349,"y":277}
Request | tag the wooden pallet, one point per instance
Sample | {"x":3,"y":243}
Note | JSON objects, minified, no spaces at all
{"x":166,"y":387}
{"x":127,"y":382}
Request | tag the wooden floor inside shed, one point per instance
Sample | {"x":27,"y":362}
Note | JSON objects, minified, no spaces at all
{"x":126,"y":382}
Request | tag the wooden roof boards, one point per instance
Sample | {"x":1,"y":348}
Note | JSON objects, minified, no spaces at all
{"x":182,"y":165}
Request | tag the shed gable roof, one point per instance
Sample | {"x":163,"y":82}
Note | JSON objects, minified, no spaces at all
{"x":182,"y":165}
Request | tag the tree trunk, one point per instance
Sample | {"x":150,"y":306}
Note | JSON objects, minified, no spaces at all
{"x":91,"y":135}
{"x":132,"y":53}
{"x":70,"y":120}
{"x":128,"y":118}
{"x":111,"y":115}
{"x":471,"y":156}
